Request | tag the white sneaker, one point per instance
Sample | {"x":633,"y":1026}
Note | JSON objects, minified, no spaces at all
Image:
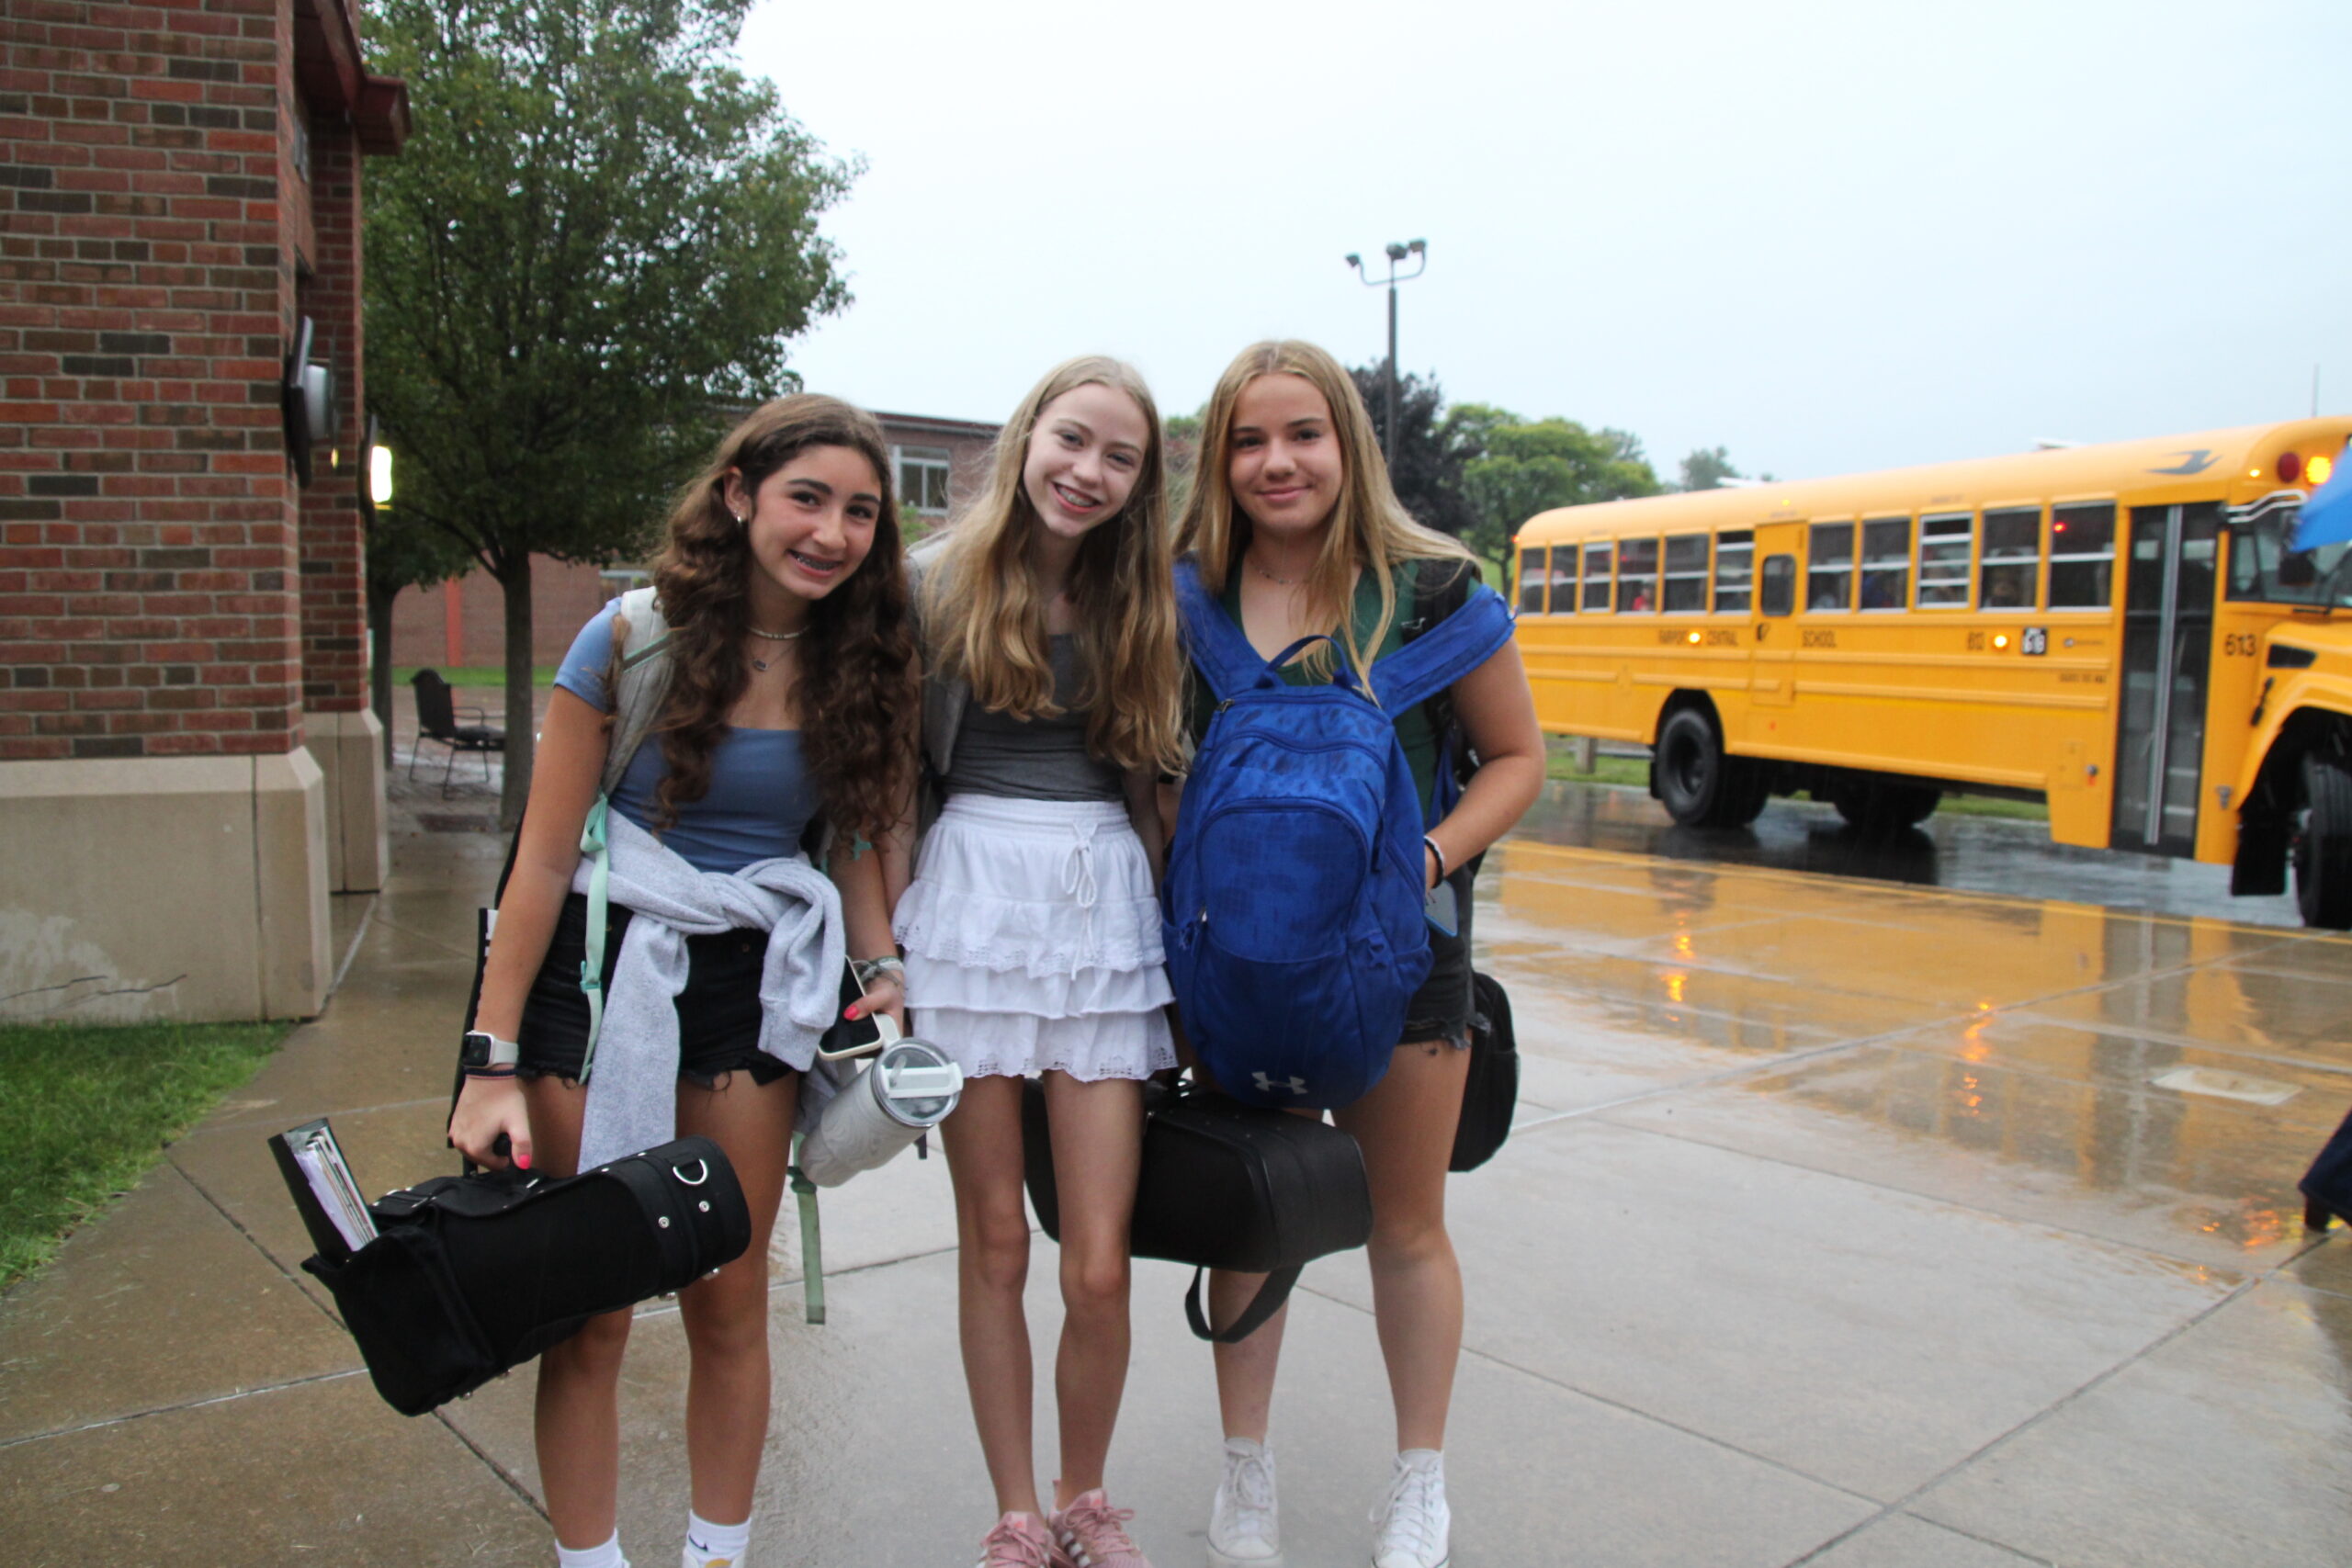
{"x":1245,"y":1528}
{"x":1413,"y":1520}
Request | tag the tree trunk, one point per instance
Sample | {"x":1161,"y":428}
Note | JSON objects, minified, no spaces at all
{"x":520,"y":723}
{"x":379,"y":660}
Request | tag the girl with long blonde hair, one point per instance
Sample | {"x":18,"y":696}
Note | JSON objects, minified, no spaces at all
{"x":1296,"y":532}
{"x":1032,"y":935}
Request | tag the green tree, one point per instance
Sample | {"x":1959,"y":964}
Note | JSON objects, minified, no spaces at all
{"x":1179,"y":437}
{"x":599,"y":230}
{"x":1426,"y":461}
{"x":1527,"y":467}
{"x":1707,"y":469}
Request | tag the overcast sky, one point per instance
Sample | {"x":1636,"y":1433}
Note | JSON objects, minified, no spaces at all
{"x":1831,"y":237}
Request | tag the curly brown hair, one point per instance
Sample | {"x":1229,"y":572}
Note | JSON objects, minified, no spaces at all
{"x":856,"y":682}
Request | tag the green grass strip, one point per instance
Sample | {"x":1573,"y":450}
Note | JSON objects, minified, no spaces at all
{"x":86,"y":1110}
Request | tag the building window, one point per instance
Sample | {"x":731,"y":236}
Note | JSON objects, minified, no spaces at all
{"x":1734,"y":571}
{"x":922,"y":477}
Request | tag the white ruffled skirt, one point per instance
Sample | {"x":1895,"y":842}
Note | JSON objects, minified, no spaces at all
{"x":1033,"y":942}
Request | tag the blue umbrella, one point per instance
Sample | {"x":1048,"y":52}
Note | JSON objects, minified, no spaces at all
{"x":2327,"y":515}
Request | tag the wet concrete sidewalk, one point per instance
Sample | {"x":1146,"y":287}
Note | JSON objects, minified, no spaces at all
{"x":1855,"y":1225}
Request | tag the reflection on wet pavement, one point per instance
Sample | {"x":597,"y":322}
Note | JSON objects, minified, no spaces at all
{"x":1959,"y":1124}
{"x":1974,"y":853}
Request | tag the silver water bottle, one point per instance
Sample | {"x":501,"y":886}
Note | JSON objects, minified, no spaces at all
{"x":904,"y":1091}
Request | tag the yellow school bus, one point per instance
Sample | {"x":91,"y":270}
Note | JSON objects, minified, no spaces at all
{"x":2117,"y":630}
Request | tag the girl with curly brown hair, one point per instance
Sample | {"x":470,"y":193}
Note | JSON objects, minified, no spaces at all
{"x":790,"y":700}
{"x":1031,"y":931}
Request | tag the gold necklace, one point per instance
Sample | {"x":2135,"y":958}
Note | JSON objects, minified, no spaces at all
{"x":1262,"y":572}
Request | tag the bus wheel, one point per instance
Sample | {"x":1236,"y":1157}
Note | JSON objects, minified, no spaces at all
{"x":1871,"y":806}
{"x":1700,"y":786}
{"x":2323,"y":849}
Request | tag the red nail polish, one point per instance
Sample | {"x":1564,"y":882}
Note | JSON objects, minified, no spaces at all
{"x":522,"y":1160}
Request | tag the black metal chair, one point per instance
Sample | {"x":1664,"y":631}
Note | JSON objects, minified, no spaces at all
{"x":437,"y":720}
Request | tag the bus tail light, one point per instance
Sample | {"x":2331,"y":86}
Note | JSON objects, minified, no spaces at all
{"x":2320,"y":468}
{"x":2290,"y":467}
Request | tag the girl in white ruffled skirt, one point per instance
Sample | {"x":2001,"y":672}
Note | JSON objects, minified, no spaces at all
{"x":1030,"y":930}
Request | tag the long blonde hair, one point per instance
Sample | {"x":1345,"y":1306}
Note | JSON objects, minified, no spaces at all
{"x":1370,"y":529}
{"x":984,"y":620}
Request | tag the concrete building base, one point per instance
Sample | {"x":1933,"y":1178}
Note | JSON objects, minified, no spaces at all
{"x":349,"y":749}
{"x":186,"y":888}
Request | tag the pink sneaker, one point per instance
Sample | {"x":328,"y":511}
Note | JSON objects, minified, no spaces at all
{"x":1019,"y":1540}
{"x":1095,"y":1533}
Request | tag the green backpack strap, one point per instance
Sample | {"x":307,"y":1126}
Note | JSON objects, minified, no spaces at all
{"x":639,"y":680}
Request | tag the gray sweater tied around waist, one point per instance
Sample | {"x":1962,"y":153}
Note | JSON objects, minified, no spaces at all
{"x":633,"y":1094}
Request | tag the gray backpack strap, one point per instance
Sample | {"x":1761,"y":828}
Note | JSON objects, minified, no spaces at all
{"x":641,"y":679}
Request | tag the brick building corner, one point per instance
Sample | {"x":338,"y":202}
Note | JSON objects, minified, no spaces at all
{"x":188,"y":765}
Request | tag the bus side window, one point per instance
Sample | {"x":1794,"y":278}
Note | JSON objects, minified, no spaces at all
{"x":2009,"y":575}
{"x":2082,"y":555}
{"x":1735,"y":570}
{"x":1777,"y":595}
{"x":1531,"y":582}
{"x":1596,"y":577}
{"x":1637,"y":575}
{"x":1886,"y":563}
{"x":1943,"y":560}
{"x":1564,"y":580}
{"x":1829,"y":568}
{"x":1686,"y":573}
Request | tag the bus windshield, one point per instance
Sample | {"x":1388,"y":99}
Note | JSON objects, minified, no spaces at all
{"x":2262,"y":568}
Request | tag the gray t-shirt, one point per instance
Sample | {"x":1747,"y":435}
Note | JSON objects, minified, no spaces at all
{"x":1044,"y":759}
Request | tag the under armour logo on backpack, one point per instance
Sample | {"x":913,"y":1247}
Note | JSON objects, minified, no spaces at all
{"x":1267,"y":1086}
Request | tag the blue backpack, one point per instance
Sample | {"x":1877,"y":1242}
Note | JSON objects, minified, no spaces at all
{"x":1293,"y":905}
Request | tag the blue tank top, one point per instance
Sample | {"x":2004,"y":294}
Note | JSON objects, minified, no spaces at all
{"x":760,"y":797}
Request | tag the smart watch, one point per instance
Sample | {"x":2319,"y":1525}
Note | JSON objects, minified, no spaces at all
{"x":482,"y":1054}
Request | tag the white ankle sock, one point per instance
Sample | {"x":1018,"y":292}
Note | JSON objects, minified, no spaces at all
{"x":715,"y":1546}
{"x":605,"y":1556}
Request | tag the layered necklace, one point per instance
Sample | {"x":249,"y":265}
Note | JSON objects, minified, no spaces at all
{"x":762,"y":665}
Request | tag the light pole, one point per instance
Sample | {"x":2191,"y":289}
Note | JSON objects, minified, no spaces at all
{"x":1419,"y":250}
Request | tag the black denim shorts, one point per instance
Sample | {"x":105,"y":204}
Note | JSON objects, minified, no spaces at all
{"x":1441,"y":1010}
{"x":718,"y":1012}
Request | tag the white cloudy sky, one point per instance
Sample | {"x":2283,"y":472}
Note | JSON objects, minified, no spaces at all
{"x":1829,"y":235}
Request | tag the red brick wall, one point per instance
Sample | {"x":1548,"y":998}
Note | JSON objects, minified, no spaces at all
{"x":148,"y":548}
{"x":562,"y":598}
{"x":334,"y":589}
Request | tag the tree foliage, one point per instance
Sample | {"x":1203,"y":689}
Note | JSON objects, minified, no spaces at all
{"x":1707,"y":469}
{"x":1427,"y":460}
{"x":1525,"y":467}
{"x":598,"y":230}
